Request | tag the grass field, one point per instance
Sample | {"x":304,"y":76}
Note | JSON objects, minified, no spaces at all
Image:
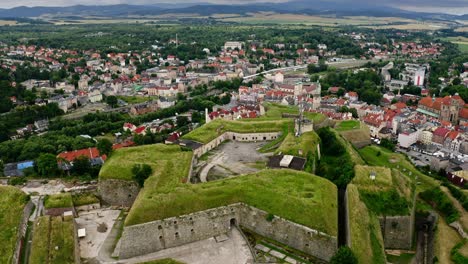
{"x":366,"y":238}
{"x":348,"y":125}
{"x":51,"y":233}
{"x":378,"y":156}
{"x":212,"y":130}
{"x":135,"y":99}
{"x":160,"y":157}
{"x":12,"y":202}
{"x":61,"y":200}
{"x":297,"y":196}
{"x":299,"y":146}
{"x":275,"y":18}
{"x":462,"y":43}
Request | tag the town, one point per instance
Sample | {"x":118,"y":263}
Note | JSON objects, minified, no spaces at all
{"x":232,"y":143}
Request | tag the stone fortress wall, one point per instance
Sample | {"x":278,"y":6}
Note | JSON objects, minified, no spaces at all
{"x":153,"y":236}
{"x":118,"y":192}
{"x":240,"y":137}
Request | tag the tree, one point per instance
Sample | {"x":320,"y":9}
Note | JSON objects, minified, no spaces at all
{"x":2,"y":166}
{"x":388,"y":144}
{"x":104,"y":146}
{"x":141,"y":172}
{"x":182,"y":121}
{"x":47,"y":165}
{"x":344,"y":255}
{"x":81,"y":166}
{"x":112,"y":101}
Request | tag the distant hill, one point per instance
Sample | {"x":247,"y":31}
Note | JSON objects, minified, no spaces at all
{"x":319,"y":7}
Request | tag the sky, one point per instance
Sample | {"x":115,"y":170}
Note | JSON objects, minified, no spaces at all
{"x":446,"y":6}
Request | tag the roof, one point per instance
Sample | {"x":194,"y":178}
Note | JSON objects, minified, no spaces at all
{"x":441,"y":132}
{"x":295,"y":163}
{"x":91,"y":153}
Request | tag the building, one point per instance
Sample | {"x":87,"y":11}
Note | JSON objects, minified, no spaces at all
{"x":448,"y":108}
{"x":17,"y":169}
{"x":408,"y":137}
{"x":232,"y":45}
{"x":419,"y":76}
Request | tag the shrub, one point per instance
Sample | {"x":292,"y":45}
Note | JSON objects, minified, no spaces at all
{"x":344,"y":255}
{"x":442,"y":203}
{"x":141,"y":172}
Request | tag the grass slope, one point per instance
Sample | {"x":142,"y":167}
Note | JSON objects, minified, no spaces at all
{"x":12,"y":202}
{"x":297,"y":196}
{"x":84,"y":199}
{"x":60,"y":200}
{"x":212,"y":130}
{"x":51,"y":233}
{"x":365,"y":236}
{"x":299,"y":146}
{"x":160,"y":157}
{"x":378,"y":156}
{"x":348,"y":125}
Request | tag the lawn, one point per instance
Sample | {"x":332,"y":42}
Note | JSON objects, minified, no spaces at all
{"x":378,"y":156}
{"x":365,"y":236}
{"x":299,"y":146}
{"x":212,"y":130}
{"x":135,"y":99}
{"x":158,"y":156}
{"x":348,"y":125}
{"x":297,"y":196}
{"x":60,"y":200}
{"x":12,"y":202}
{"x":51,"y":233}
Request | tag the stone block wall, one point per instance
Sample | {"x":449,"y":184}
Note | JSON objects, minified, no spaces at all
{"x":150,"y":237}
{"x":397,"y":231}
{"x":27,"y":210}
{"x":175,"y":231}
{"x":118,"y":192}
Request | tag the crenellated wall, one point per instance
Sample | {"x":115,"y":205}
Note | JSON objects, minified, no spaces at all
{"x":175,"y":231}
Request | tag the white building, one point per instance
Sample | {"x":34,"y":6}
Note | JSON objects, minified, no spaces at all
{"x":419,"y":77}
{"x":408,"y":138}
{"x":233,"y":45}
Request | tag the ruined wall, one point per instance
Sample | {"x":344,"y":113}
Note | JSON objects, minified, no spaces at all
{"x":22,"y":231}
{"x":118,"y":192}
{"x":240,"y":137}
{"x":397,"y":231}
{"x":175,"y":231}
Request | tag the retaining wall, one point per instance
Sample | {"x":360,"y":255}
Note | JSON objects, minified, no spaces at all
{"x":118,"y":192}
{"x":397,"y":231}
{"x":175,"y":231}
{"x":27,"y":210}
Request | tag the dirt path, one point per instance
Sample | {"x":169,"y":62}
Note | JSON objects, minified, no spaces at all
{"x":463,"y":215}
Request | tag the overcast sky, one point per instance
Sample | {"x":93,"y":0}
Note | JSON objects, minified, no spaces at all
{"x":448,"y":6}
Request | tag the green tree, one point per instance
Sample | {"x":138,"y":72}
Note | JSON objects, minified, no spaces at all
{"x":141,"y":172}
{"x":182,"y":121}
{"x":344,"y":255}
{"x":81,"y":166}
{"x":2,"y":166}
{"x":112,"y":101}
{"x":47,"y":165}
{"x":104,"y":146}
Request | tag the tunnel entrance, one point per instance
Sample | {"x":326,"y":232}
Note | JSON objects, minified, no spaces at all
{"x":233,"y":222}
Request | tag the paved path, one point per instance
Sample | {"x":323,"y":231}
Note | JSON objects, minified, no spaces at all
{"x":215,"y":161}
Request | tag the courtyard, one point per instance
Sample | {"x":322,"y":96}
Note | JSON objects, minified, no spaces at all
{"x":231,"y":159}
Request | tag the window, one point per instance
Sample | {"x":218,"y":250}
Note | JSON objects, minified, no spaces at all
{"x":177,"y":234}
{"x":159,"y":227}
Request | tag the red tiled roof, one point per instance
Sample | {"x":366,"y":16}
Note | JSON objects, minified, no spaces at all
{"x":441,"y":132}
{"x":452,"y":135}
{"x":91,"y":153}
